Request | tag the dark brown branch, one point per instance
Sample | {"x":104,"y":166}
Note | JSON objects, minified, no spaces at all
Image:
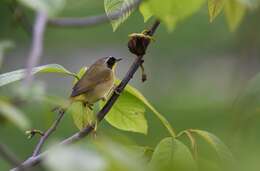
{"x":46,"y":134}
{"x":34,"y":160}
{"x":93,"y":20}
{"x":8,"y":155}
{"x":37,"y":43}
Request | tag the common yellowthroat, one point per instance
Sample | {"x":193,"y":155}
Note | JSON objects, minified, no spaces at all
{"x":96,"y":83}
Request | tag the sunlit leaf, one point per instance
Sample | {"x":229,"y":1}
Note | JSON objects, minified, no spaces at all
{"x":145,"y":11}
{"x":13,"y":76}
{"x":13,"y":115}
{"x":75,"y":158}
{"x":51,"y":7}
{"x":234,"y":12}
{"x":173,"y":11}
{"x":128,"y":114}
{"x":82,"y":116}
{"x":122,"y":8}
{"x":214,"y":8}
{"x":172,"y":154}
{"x":133,"y":91}
{"x":221,"y":149}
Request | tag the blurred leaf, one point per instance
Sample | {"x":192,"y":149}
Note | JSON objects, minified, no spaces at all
{"x":10,"y":77}
{"x":214,"y":8}
{"x":172,"y":11}
{"x":221,"y":149}
{"x":172,"y":154}
{"x":250,"y":3}
{"x":122,"y":7}
{"x":51,"y":7}
{"x":145,"y":11}
{"x":119,"y":156}
{"x":133,"y":91}
{"x":71,"y":158}
{"x":143,"y":152}
{"x":4,"y":45}
{"x":234,"y":12}
{"x":128,"y":114}
{"x":81,"y":115}
{"x":13,"y":115}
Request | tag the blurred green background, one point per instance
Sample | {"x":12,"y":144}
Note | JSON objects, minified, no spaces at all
{"x":196,"y":76}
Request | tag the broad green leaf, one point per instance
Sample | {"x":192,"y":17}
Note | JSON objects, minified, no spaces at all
{"x":145,"y":11}
{"x":221,"y":149}
{"x":214,"y":8}
{"x":13,"y":115}
{"x":82,"y":116}
{"x":13,"y":76}
{"x":4,"y":45}
{"x":234,"y":12}
{"x":128,"y":114}
{"x":172,"y":154}
{"x":123,"y":8}
{"x":172,"y":11}
{"x":51,"y":7}
{"x":144,"y":101}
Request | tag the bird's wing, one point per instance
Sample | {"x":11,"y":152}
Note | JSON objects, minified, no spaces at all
{"x":91,"y":79}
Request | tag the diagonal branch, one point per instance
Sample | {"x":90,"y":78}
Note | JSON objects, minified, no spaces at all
{"x":34,"y":160}
{"x":46,"y":134}
{"x":93,"y":20}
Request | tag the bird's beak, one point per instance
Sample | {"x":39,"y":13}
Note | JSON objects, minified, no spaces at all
{"x":119,"y":59}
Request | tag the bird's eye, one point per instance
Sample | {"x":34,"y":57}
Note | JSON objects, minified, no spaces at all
{"x":110,"y":62}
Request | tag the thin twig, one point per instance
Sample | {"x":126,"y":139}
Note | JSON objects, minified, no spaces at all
{"x":46,"y":134}
{"x":34,"y":160}
{"x":37,"y":43}
{"x":8,"y":155}
{"x":92,"y":20}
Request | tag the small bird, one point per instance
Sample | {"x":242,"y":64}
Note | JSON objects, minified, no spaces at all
{"x":96,"y":83}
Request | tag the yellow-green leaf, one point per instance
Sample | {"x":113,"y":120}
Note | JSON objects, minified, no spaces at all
{"x":234,"y":12}
{"x":220,"y":148}
{"x":172,"y":154}
{"x":173,"y":11}
{"x":13,"y":76}
{"x":145,"y":11}
{"x":128,"y":114}
{"x":82,"y":116}
{"x":138,"y":95}
{"x":214,"y":8}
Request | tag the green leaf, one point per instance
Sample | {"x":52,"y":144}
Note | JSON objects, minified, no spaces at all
{"x":214,"y":8}
{"x":145,"y":11}
{"x":13,"y":115}
{"x":13,"y":76}
{"x":51,"y":7}
{"x":80,"y":74}
{"x":123,"y":8}
{"x":173,"y":11}
{"x":131,"y":90}
{"x":82,"y":116}
{"x":143,"y":152}
{"x":128,"y":114}
{"x":234,"y":12}
{"x":172,"y":154}
{"x":221,"y":149}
